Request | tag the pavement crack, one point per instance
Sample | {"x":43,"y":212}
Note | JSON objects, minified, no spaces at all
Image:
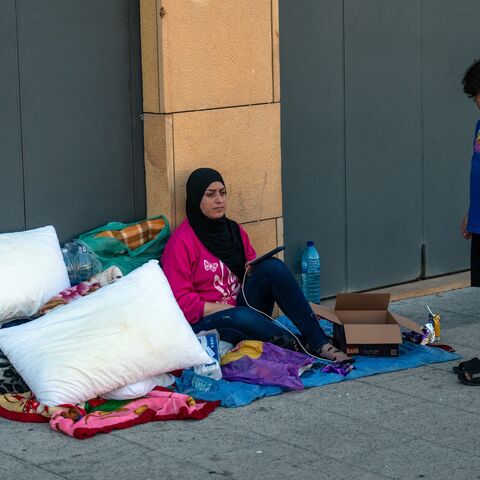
{"x":36,"y":465}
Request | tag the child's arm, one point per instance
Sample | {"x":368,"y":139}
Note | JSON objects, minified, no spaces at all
{"x":463,"y":228}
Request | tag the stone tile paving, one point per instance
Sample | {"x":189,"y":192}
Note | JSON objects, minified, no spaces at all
{"x":412,"y":424}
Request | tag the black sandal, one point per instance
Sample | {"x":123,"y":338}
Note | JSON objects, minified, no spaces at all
{"x":468,"y":378}
{"x":468,"y":373}
{"x":462,"y":367}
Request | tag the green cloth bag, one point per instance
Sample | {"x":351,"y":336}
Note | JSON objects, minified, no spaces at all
{"x":111,"y":251}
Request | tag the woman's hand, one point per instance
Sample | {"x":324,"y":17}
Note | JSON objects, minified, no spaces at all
{"x":247,"y":269}
{"x":463,"y":228}
{"x":211,"y":307}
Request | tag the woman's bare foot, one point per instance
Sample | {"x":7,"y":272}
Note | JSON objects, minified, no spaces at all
{"x":329,"y":352}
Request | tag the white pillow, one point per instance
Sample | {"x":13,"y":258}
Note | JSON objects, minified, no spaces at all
{"x":140,"y":389}
{"x":122,"y":333}
{"x":32,"y":271}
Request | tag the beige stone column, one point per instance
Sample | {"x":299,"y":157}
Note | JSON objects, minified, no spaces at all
{"x":211,"y":99}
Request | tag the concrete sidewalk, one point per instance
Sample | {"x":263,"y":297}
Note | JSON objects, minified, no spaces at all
{"x":419,"y":423}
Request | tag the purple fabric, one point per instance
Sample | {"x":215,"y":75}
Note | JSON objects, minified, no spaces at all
{"x":339,"y":368}
{"x":275,"y":366}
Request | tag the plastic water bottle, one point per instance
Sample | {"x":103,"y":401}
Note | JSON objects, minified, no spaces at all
{"x":67,"y":258}
{"x":81,"y":263}
{"x":210,"y":342}
{"x":311,"y":273}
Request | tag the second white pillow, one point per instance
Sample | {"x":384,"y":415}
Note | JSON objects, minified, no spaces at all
{"x":32,"y":270}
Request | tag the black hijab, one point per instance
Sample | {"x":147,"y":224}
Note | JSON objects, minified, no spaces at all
{"x":221,"y":237}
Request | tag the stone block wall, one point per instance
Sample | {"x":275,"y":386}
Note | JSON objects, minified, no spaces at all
{"x":211,"y":99}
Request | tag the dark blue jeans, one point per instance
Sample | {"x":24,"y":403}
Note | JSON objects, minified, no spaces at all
{"x":268,"y":282}
{"x":15,"y":323}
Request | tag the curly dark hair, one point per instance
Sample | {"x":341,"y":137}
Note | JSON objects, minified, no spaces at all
{"x":471,"y":79}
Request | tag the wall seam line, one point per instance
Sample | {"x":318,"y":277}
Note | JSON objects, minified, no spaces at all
{"x":345,"y":185}
{"x":174,"y":199}
{"x":272,"y":50}
{"x":218,"y":108}
{"x":20,"y":119}
{"x":422,"y":137}
{"x":132,"y":107}
{"x":248,"y":222}
{"x":159,"y":56}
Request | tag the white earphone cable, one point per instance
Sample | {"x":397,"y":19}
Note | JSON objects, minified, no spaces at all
{"x":275,"y":321}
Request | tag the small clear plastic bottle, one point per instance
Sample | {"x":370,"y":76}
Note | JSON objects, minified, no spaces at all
{"x":311,"y":273}
{"x":81,"y":263}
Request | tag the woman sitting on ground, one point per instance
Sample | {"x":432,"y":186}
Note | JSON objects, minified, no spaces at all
{"x":205,"y":262}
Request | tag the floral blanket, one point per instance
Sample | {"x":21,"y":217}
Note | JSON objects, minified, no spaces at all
{"x":99,"y":415}
{"x":82,"y":289}
{"x":102,"y":416}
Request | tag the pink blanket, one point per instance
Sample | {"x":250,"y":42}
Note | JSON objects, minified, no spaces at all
{"x":157,"y":405}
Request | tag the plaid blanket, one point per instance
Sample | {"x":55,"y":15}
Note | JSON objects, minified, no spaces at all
{"x":136,"y":235}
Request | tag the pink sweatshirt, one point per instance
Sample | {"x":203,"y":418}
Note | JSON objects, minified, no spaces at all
{"x":197,"y":276}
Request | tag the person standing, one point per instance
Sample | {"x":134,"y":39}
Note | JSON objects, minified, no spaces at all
{"x":470,"y":227}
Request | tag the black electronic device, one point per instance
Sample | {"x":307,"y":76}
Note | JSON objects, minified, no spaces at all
{"x":269,"y":254}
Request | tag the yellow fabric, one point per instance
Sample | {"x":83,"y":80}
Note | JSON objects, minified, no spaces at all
{"x":251,"y":348}
{"x":25,"y":403}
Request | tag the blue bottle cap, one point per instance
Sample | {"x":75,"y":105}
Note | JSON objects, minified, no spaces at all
{"x":310,"y":243}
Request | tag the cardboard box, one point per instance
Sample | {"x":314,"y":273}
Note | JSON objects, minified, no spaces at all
{"x":362,"y":324}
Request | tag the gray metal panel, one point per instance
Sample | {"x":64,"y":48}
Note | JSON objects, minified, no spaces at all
{"x":75,"y":81}
{"x":312,"y":134}
{"x":12,"y":216}
{"x":383,"y":141}
{"x":451,"y":40}
{"x":140,"y":197}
